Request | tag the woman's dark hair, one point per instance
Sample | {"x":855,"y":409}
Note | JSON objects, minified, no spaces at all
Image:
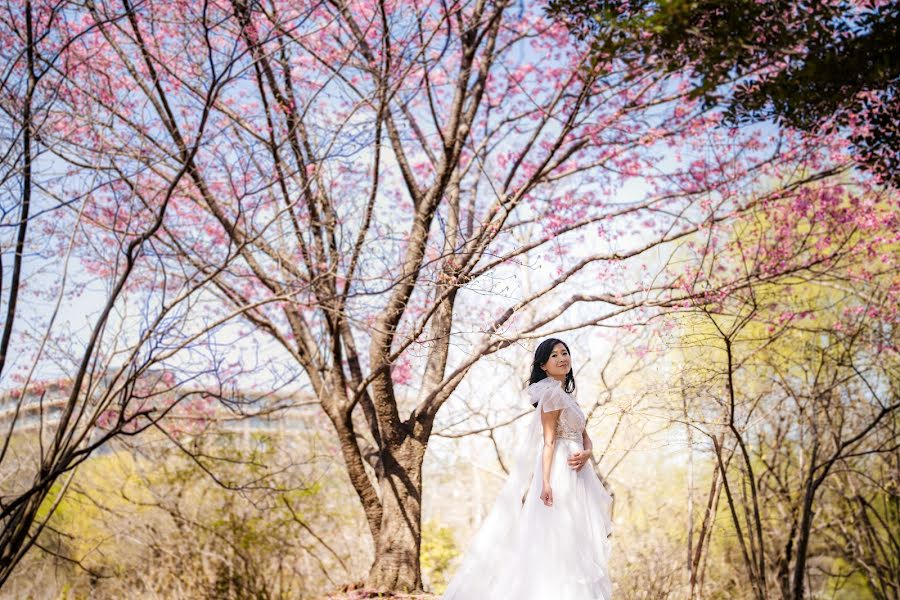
{"x":541,"y":356}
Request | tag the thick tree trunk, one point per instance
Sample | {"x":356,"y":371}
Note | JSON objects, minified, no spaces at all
{"x":396,"y":566}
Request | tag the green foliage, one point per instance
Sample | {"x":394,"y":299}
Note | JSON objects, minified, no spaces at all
{"x":150,"y":522}
{"x":806,"y":372}
{"x":82,"y":512}
{"x":805,"y":65}
{"x":847,"y":584}
{"x":438,"y":552}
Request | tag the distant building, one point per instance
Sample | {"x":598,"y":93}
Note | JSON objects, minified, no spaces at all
{"x":189,"y":410}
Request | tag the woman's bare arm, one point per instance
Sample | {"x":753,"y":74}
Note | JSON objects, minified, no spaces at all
{"x":586,"y":441}
{"x":548,"y":422}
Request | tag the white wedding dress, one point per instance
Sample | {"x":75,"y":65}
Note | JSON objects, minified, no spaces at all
{"x":525,"y":550}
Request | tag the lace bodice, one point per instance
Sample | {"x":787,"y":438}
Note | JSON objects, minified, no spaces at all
{"x":551,"y":396}
{"x":571,"y":423}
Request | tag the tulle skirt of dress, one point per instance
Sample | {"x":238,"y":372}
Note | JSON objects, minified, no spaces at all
{"x":557,"y":552}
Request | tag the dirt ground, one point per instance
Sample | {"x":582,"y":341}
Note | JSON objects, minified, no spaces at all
{"x":364,"y":594}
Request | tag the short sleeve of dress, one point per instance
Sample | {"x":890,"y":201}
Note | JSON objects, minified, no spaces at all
{"x":549,"y":393}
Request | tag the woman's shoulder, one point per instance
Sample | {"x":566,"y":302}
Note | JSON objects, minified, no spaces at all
{"x":550,"y":383}
{"x":548,"y":388}
{"x":545,"y":383}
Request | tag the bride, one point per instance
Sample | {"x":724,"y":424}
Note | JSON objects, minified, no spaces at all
{"x":546,"y":535}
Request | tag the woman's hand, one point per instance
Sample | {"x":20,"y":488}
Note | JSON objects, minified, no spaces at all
{"x":579,"y":459}
{"x":547,"y":494}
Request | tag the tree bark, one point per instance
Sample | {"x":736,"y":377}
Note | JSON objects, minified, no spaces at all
{"x":803,"y":543}
{"x":396,"y":566}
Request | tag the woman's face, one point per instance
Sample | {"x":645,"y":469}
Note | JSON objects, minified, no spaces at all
{"x":558,"y":365}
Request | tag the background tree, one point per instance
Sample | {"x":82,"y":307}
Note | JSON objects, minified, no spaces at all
{"x":143,"y":517}
{"x":862,"y":518}
{"x":799,"y":381}
{"x":91,"y":316}
{"x":822,"y":65}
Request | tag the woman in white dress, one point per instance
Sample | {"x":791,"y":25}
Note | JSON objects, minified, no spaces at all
{"x":547,"y":534}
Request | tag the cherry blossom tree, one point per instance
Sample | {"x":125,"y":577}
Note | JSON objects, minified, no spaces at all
{"x":92,"y":317}
{"x":796,"y":377}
